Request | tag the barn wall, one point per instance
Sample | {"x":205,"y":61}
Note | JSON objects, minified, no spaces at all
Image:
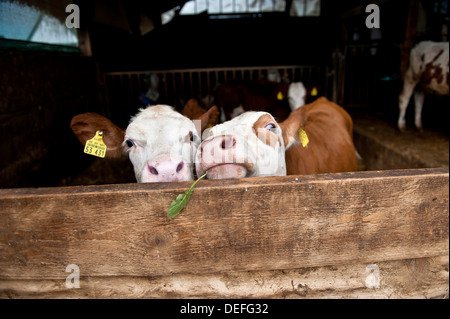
{"x":40,"y":93}
{"x":197,"y":42}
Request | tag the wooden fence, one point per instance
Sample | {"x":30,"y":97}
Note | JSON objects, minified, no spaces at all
{"x":294,"y":236}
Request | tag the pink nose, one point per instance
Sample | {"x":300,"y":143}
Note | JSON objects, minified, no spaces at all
{"x":218,"y":150}
{"x":166,"y":169}
{"x":227,"y":142}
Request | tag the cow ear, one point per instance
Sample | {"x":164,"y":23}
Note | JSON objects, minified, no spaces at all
{"x":192,"y":109}
{"x":209,"y":118}
{"x":291,"y":126}
{"x":85,"y":125}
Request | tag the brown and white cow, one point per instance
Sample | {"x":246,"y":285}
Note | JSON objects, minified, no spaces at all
{"x":160,"y":142}
{"x":427,"y":73}
{"x":316,"y":138}
{"x":237,"y":96}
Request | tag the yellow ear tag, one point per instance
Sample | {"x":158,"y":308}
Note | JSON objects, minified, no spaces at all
{"x":314,"y":92}
{"x":280,"y":96}
{"x":303,"y":137}
{"x":95,"y":145}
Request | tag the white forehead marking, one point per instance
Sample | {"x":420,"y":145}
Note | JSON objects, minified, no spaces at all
{"x":247,"y":119}
{"x":158,"y":119}
{"x":163,"y":113}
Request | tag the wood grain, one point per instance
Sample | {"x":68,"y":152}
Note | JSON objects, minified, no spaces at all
{"x":230,"y":225}
{"x":411,"y":278}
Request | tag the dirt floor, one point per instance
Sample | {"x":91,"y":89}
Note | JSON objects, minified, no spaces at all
{"x":382,"y":146}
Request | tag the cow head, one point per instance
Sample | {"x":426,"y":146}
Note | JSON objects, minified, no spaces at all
{"x":160,"y":142}
{"x":296,"y":95}
{"x":252,"y":144}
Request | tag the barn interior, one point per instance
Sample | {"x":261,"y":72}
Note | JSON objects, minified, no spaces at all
{"x":54,"y":66}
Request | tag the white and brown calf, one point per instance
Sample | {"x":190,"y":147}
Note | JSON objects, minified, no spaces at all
{"x":247,"y":146}
{"x":160,"y":142}
{"x":254,"y":144}
{"x":427,"y":73}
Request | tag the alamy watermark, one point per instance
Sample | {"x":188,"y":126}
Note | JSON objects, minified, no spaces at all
{"x":373,"y":276}
{"x":73,"y":280}
{"x":373,"y":19}
{"x":73,"y":19}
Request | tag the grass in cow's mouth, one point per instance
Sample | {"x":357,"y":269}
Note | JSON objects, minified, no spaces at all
{"x":182,"y":200}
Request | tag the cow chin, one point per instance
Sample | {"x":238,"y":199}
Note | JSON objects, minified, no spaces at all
{"x":224,"y":171}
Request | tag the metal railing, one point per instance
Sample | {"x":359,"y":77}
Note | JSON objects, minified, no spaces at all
{"x":358,"y":80}
{"x":124,"y":89}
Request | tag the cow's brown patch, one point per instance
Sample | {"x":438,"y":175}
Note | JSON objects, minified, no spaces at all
{"x":266,"y":136}
{"x":432,"y":71}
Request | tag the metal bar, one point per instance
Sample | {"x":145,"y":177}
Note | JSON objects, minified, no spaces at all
{"x":105,"y":83}
{"x":130,"y":85}
{"x":240,"y":69}
{"x":217,"y":69}
{"x":164,"y":80}
{"x":139,"y":84}
{"x":200,"y":86}
{"x":191,"y":84}
{"x":208,"y":81}
{"x":175,"y":88}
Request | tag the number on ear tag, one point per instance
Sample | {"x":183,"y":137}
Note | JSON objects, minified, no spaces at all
{"x":95,"y":146}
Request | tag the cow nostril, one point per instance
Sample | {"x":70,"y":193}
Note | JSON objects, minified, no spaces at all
{"x":228,"y":142}
{"x":180,"y":167}
{"x":153,"y":170}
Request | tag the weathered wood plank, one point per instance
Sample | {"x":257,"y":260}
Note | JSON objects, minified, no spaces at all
{"x":231,"y":225}
{"x":411,"y":278}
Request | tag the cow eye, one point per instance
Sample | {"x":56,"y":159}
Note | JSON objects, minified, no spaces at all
{"x":192,"y":137}
{"x":270,"y":127}
{"x":129,"y":143}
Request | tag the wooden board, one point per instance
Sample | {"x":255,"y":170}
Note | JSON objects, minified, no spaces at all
{"x":231,"y":225}
{"x":410,"y":278}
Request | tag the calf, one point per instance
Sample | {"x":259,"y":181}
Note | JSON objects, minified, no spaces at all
{"x":427,"y":73}
{"x":279,"y":99}
{"x":193,"y":110}
{"x":316,"y":138}
{"x":160,"y":142}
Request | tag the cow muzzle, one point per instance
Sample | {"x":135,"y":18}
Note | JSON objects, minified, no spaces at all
{"x":166,"y":169}
{"x":220,"y":157}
